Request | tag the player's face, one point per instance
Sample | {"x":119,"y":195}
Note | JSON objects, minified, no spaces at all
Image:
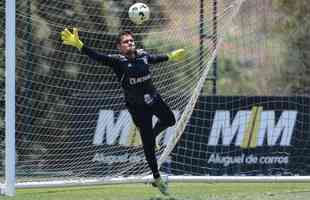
{"x":127,"y":45}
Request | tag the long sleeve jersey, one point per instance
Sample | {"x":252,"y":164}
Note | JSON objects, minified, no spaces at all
{"x":133,"y":74}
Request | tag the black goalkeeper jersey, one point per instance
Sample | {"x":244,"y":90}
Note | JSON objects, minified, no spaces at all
{"x":133,"y":74}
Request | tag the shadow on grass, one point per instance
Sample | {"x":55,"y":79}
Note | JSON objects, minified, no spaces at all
{"x":167,"y":198}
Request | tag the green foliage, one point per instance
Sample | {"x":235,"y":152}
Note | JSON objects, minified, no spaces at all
{"x":181,"y":71}
{"x":276,"y":41}
{"x":294,"y":27}
{"x":234,"y":77}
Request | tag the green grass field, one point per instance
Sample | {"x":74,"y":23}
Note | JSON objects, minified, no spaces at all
{"x":179,"y":191}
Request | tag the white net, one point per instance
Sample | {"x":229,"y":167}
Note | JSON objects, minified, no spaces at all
{"x":71,"y":121}
{"x":70,"y":115}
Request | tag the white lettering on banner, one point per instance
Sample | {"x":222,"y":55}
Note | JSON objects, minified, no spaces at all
{"x":285,"y":126}
{"x":268,"y":128}
{"x":112,"y":159}
{"x":116,"y":130}
{"x":251,"y":159}
{"x":221,"y":124}
{"x":106,"y":127}
{"x":225,"y":160}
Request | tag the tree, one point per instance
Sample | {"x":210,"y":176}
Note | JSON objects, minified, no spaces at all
{"x":294,"y":27}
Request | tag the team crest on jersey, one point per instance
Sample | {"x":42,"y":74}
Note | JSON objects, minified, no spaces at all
{"x":129,"y":65}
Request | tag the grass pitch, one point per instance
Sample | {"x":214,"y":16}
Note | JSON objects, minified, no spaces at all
{"x":179,"y":191}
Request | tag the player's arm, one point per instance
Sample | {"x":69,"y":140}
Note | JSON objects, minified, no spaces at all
{"x":73,"y":39}
{"x":175,"y":56}
{"x":104,"y":58}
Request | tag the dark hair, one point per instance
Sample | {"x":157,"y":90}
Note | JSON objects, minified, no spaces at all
{"x":121,"y":34}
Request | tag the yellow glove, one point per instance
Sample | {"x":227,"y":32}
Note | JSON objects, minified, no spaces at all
{"x":72,"y":39}
{"x":176,"y":55}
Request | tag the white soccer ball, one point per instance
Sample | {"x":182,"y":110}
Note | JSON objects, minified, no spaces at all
{"x":139,"y":13}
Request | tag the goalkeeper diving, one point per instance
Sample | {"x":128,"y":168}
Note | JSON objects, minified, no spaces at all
{"x":132,"y":68}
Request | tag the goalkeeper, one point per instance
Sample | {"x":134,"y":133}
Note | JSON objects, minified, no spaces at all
{"x":132,"y":67}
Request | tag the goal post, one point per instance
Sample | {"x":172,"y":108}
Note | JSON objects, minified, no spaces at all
{"x":9,"y":187}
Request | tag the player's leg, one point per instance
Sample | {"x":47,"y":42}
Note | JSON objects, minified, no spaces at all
{"x":148,"y":142}
{"x":142,"y":118}
{"x":164,"y":114}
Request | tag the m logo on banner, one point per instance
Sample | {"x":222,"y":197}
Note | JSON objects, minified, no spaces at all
{"x":120,"y":130}
{"x":249,"y":129}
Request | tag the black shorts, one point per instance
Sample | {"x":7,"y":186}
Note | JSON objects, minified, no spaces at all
{"x":142,"y":113}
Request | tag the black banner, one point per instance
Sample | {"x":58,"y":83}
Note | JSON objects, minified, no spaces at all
{"x":236,"y":135}
{"x":226,"y":135}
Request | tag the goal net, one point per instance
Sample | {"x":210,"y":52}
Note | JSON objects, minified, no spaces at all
{"x":258,"y":128}
{"x":71,"y":120}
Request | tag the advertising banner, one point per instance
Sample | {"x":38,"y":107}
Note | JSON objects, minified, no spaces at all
{"x":226,"y":135}
{"x":246,"y":136}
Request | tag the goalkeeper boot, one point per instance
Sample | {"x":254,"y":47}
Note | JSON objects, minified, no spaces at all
{"x":161,"y":185}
